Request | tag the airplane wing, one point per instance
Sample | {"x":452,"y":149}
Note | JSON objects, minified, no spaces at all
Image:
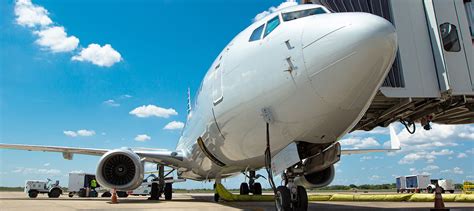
{"x":169,"y":158}
{"x":394,"y":142}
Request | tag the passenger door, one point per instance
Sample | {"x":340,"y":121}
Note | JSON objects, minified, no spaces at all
{"x":217,"y":93}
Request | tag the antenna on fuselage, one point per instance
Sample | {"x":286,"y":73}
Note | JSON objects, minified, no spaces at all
{"x":189,"y":100}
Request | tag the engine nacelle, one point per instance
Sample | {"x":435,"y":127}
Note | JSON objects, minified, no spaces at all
{"x":121,"y":169}
{"x":317,"y":179}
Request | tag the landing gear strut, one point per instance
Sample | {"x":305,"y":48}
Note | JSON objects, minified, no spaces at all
{"x":291,"y":196}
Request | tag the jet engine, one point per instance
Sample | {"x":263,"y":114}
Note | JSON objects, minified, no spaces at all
{"x":121,"y":169}
{"x":316,"y":179}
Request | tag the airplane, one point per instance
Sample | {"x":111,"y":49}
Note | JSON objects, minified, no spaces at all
{"x":278,"y":97}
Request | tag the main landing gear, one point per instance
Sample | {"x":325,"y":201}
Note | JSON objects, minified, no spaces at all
{"x":290,"y":196}
{"x":159,"y":186}
{"x":252,"y":187}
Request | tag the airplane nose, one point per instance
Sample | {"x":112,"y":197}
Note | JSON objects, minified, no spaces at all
{"x":350,"y":58}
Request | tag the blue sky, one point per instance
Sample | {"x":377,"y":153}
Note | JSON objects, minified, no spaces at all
{"x":108,"y":74}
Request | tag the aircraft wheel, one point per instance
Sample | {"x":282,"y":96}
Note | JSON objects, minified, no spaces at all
{"x":244,"y":189}
{"x":302,"y":203}
{"x":168,"y":191}
{"x":257,"y":189}
{"x":71,"y":194}
{"x":283,"y":199}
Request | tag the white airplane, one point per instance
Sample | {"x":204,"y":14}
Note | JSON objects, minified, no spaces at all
{"x":280,"y":95}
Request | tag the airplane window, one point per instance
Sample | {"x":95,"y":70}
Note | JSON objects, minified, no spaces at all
{"x":302,"y":13}
{"x":271,"y":25}
{"x":449,"y":34}
{"x":256,"y":34}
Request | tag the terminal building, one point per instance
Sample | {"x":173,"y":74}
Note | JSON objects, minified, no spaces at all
{"x":432,"y":78}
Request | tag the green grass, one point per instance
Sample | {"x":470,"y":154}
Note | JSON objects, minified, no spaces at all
{"x":6,"y":189}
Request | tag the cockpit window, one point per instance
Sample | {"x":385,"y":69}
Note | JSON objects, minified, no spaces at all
{"x":271,"y":25}
{"x":302,"y":13}
{"x":257,"y":33}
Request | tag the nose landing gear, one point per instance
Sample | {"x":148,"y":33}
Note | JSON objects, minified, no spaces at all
{"x":290,"y":196}
{"x":252,"y":187}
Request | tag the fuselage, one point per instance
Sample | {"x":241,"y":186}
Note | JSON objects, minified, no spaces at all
{"x":316,"y":71}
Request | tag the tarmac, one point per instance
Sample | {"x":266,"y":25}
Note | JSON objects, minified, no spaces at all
{"x":193,"y":201}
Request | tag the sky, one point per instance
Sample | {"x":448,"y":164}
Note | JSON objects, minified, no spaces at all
{"x":110,"y":74}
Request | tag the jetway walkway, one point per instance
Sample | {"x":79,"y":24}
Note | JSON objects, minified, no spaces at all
{"x":432,"y":78}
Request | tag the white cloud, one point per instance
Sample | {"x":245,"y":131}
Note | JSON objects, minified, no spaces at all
{"x":125,"y":96}
{"x":56,"y":40}
{"x":462,"y":155}
{"x":70,"y":133}
{"x":142,"y":137}
{"x":79,"y":133}
{"x":85,"y":132}
{"x":77,"y":171}
{"x":46,"y":164}
{"x":28,"y":14}
{"x":152,"y":110}
{"x":38,"y":171}
{"x":430,"y":168}
{"x":270,"y":10}
{"x":358,"y":143}
{"x":455,"y":170}
{"x":438,"y":136}
{"x":111,"y":103}
{"x":363,"y":158}
{"x":104,"y":56}
{"x":174,"y":125}
{"x":443,"y":152}
{"x":53,"y":37}
{"x":470,"y":151}
{"x":412,"y":157}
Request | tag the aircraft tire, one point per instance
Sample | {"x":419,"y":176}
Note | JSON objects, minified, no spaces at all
{"x":244,"y":188}
{"x":283,"y":199}
{"x":302,"y":203}
{"x":257,"y":189}
{"x":168,"y":191}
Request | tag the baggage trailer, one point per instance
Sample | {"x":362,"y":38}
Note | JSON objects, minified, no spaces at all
{"x":78,"y":184}
{"x":412,"y":183}
{"x":401,"y":184}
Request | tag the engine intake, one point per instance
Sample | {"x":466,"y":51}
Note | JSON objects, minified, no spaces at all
{"x":121,"y":169}
{"x":317,"y":179}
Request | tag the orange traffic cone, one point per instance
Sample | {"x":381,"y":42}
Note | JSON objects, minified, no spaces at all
{"x":114,"y":197}
{"x":438,"y":201}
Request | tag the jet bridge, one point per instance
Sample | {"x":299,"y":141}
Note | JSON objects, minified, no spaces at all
{"x":432,"y":78}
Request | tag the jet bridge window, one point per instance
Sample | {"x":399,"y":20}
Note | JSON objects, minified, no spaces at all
{"x":449,"y":34}
{"x":271,"y":25}
{"x":257,"y":33}
{"x":302,"y":13}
